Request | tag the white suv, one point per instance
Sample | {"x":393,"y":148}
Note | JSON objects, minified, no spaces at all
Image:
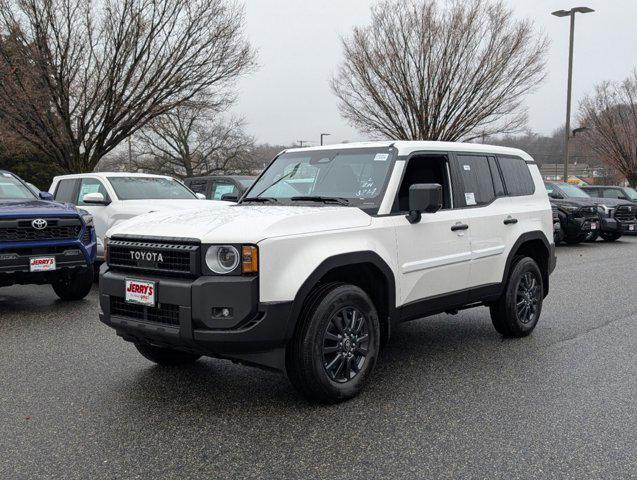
{"x":328,"y":252}
{"x":114,"y":197}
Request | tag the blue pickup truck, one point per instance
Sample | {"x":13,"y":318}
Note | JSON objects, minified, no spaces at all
{"x":44,"y":242}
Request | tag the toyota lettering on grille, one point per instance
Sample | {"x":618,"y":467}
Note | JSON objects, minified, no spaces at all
{"x":147,"y":256}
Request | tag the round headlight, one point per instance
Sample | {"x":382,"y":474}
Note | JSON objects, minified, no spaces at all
{"x":222,"y":259}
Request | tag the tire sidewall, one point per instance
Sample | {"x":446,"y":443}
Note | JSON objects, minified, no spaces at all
{"x":340,"y":297}
{"x":523,"y":266}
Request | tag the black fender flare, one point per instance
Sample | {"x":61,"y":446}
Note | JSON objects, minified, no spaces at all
{"x":525,"y":237}
{"x":342,"y":260}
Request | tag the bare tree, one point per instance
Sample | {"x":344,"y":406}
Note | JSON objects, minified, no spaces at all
{"x":610,"y":115}
{"x":193,"y":140}
{"x":422,"y":71}
{"x":79,"y":76}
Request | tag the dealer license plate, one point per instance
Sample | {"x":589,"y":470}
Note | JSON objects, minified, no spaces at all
{"x":41,"y":264}
{"x":140,"y":292}
{"x":593,"y":226}
{"x":631,"y":228}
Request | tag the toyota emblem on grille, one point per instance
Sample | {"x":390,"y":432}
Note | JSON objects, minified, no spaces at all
{"x":39,"y":224}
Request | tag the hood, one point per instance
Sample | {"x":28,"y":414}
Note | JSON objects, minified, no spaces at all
{"x":137,"y":207}
{"x":243,"y":223}
{"x":573,"y":202}
{"x":610,"y":202}
{"x":16,"y":208}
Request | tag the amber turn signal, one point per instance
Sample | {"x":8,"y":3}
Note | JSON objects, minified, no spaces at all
{"x":249,"y":259}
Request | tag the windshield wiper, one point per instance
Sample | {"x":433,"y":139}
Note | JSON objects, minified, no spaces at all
{"x":259,"y":199}
{"x":316,"y":198}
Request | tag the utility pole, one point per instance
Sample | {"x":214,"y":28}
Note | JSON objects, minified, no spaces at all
{"x":567,"y":131}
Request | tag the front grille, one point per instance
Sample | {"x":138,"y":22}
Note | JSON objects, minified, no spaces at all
{"x":625,"y":213}
{"x":165,"y":313}
{"x":21,"y":230}
{"x":172,"y":259}
{"x":588,"y":212}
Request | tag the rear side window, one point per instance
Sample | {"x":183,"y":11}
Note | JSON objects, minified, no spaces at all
{"x":64,"y":191}
{"x":476,"y":179}
{"x":198,"y":186}
{"x":517,"y":177}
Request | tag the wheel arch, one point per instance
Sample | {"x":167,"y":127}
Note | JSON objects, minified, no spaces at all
{"x":533,"y":244}
{"x":365,"y":269}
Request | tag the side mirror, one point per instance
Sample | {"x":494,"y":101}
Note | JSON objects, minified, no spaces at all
{"x":200,"y":196}
{"x":95,"y":198}
{"x":45,"y":196}
{"x":555,"y":195}
{"x":229,"y":197}
{"x":424,"y":197}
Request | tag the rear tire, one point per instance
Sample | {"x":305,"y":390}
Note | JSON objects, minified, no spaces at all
{"x":610,"y":237}
{"x":518,"y":310}
{"x":336,"y":344}
{"x":165,"y":356}
{"x":75,"y":286}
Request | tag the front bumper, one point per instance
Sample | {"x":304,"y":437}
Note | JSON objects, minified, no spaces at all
{"x":256,"y":333}
{"x":15,"y":259}
{"x":612,"y":225}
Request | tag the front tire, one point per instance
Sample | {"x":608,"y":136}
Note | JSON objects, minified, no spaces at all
{"x":518,"y":310}
{"x":165,"y":356}
{"x":74,"y":286}
{"x":610,"y":237}
{"x":592,"y":236}
{"x":335,"y":347}
{"x":575,"y":239}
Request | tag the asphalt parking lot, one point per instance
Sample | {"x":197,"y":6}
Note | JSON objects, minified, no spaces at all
{"x":449,"y":399}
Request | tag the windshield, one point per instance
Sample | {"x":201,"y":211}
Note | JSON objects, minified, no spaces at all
{"x":13,"y":189}
{"x":573,"y":191}
{"x":356,"y":175}
{"x":146,"y":188}
{"x":631,"y":192}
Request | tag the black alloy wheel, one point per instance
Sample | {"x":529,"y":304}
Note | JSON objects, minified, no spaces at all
{"x":345,"y":344}
{"x":528,"y":298}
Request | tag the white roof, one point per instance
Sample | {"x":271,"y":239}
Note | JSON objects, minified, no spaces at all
{"x":104,"y":175}
{"x":407,"y":147}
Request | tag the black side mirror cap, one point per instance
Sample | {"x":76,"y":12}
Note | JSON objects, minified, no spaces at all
{"x":424,"y":198}
{"x":45,"y":196}
{"x":229,"y":197}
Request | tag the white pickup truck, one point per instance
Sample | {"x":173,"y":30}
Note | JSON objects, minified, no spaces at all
{"x":114,"y":197}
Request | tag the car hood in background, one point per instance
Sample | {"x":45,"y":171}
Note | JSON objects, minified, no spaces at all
{"x":243,"y":223}
{"x":14,"y":208}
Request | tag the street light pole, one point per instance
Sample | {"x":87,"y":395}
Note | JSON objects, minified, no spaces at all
{"x":324,"y":135}
{"x":567,"y":130}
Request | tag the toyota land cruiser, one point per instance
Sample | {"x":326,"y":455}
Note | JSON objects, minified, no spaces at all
{"x":44,"y":242}
{"x":327,"y":252}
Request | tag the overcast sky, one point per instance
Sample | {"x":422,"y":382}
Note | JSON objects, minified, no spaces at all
{"x":289,"y":99}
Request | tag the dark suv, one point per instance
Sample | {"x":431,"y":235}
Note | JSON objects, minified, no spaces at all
{"x":618,"y":193}
{"x":220,"y":187}
{"x":585,"y":218}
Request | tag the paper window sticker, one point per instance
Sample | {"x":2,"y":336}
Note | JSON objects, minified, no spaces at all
{"x":381,"y":157}
{"x":470,"y":198}
{"x":467,"y":167}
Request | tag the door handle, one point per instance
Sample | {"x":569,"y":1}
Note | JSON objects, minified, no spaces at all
{"x":511,"y":221}
{"x":459,"y":226}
